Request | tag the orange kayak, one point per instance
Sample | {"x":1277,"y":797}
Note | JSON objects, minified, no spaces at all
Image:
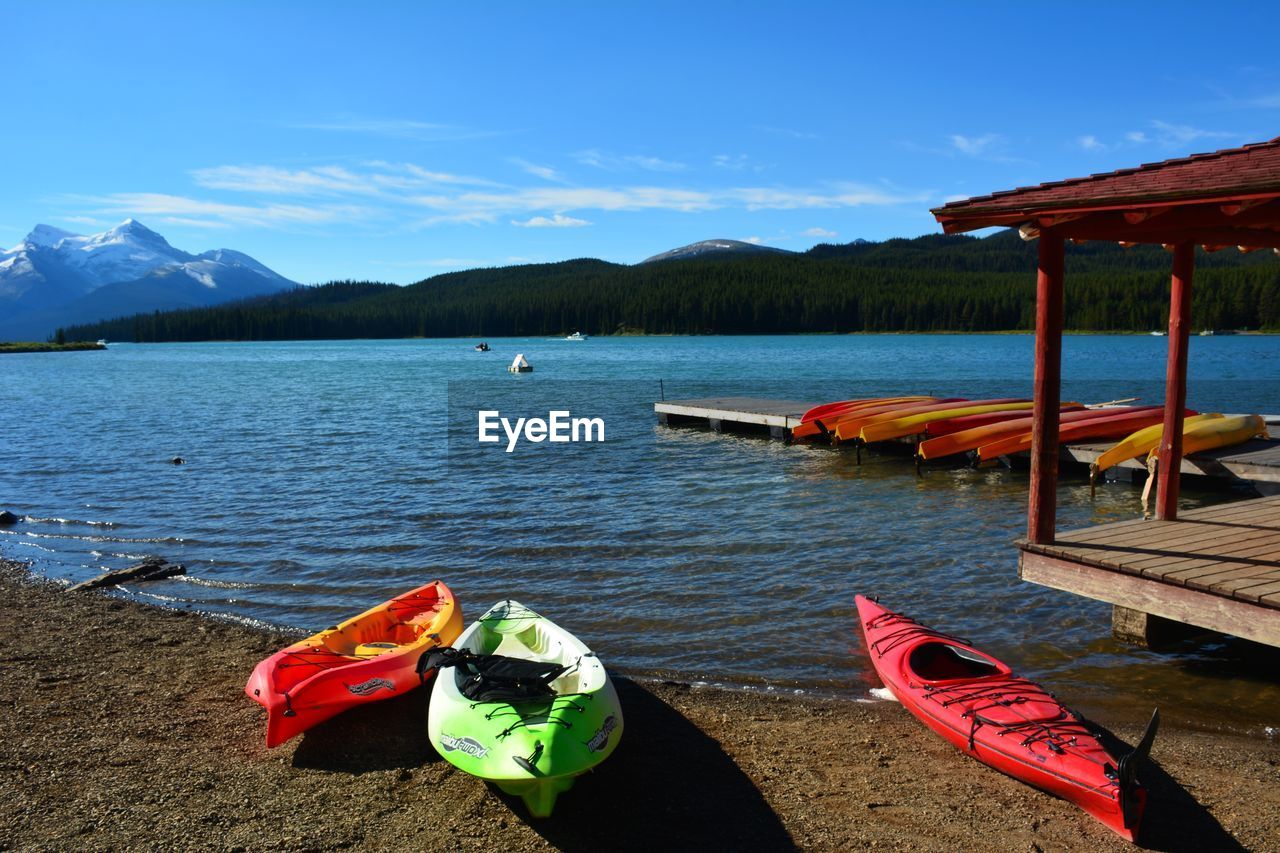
{"x":852,"y":429}
{"x":854,"y":421}
{"x":977,"y":436}
{"x":819,"y":424}
{"x":369,"y":657}
{"x":947,"y":426}
{"x":1114,"y":426}
{"x":913,"y":424}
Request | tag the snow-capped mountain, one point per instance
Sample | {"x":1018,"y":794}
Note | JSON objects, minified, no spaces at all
{"x":713,"y":247}
{"x":55,"y":278}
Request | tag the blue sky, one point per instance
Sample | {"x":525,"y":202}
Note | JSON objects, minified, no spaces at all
{"x":396,"y":141}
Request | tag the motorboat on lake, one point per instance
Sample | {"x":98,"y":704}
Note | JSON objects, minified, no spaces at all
{"x":482,"y":347}
{"x":576,"y":336}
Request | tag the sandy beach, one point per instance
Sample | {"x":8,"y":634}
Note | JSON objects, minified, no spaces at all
{"x":126,"y":727}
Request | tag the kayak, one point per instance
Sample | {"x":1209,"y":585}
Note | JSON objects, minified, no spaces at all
{"x":1009,"y":723}
{"x":848,"y":426}
{"x":811,"y":427}
{"x":1111,"y":426}
{"x":1140,"y":442}
{"x":367,"y":658}
{"x":975,"y":437}
{"x":853,"y":429}
{"x":1222,"y":432}
{"x":913,"y":424}
{"x":827,"y":409}
{"x":947,"y":426}
{"x":526,"y":706}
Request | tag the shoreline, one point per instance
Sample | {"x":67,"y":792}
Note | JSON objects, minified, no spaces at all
{"x":129,"y":728}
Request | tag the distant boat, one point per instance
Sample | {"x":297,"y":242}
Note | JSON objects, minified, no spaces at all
{"x":1159,"y":334}
{"x":576,"y":336}
{"x":482,"y":347}
{"x":102,"y":342}
{"x":1207,"y":333}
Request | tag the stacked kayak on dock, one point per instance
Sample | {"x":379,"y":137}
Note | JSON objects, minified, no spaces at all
{"x":1009,"y":723}
{"x":987,"y":430}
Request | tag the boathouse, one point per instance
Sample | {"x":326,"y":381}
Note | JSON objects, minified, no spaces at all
{"x":1216,"y":568}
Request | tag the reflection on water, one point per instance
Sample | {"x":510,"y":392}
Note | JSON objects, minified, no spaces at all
{"x":324,"y":477}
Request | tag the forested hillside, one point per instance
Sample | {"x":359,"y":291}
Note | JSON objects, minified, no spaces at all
{"x":931,"y":283}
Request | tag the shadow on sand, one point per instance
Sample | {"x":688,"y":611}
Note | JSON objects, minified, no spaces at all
{"x":386,"y":735}
{"x":1173,"y":820}
{"x":667,"y":780}
{"x":668,"y":785}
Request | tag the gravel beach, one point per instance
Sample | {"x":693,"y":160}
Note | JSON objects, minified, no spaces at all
{"x":126,"y":728}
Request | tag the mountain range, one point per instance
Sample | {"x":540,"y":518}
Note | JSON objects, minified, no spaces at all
{"x":55,"y":278}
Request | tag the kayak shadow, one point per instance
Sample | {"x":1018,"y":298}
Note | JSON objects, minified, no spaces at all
{"x":1173,"y":820}
{"x":666,"y":780}
{"x":386,"y":735}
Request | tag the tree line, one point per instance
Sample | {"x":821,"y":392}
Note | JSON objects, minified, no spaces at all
{"x":927,"y":284}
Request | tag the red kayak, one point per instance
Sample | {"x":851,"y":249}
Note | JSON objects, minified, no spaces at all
{"x":1012,"y":724}
{"x":369,"y":657}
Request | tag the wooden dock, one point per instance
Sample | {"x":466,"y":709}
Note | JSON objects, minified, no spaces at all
{"x":775,"y":418}
{"x":1216,"y":567}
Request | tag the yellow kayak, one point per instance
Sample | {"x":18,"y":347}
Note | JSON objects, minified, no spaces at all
{"x":1221,"y":432}
{"x":912,"y":424}
{"x":1141,"y":442}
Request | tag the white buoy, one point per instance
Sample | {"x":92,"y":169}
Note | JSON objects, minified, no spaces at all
{"x":520,"y":365}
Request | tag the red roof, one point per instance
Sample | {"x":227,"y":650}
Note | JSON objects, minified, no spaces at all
{"x":1249,"y":174}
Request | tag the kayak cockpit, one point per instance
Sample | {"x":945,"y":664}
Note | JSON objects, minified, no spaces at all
{"x":938,"y":661}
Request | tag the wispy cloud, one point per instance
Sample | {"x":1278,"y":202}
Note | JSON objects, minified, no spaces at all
{"x":736,"y":163}
{"x":205,"y":213}
{"x":545,"y":172}
{"x":786,"y":131}
{"x":755,"y":241}
{"x":421,"y":131}
{"x":626,"y":162}
{"x":1089,"y":142}
{"x":818,"y":232}
{"x":417,"y":197}
{"x":976,"y":146}
{"x":559,"y":220}
{"x":84,"y":220}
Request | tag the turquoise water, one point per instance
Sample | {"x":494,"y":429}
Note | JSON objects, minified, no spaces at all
{"x":322,"y":477}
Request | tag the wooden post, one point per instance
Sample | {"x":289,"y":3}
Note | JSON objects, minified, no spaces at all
{"x":1042,"y":509}
{"x":1175,"y":383}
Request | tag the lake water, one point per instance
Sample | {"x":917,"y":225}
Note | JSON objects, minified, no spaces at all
{"x":324,"y":477}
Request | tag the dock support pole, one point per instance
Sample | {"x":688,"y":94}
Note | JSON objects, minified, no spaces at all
{"x":1042,"y":509}
{"x":1175,"y":384}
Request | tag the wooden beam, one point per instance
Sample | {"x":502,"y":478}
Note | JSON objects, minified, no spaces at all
{"x":1204,"y":609}
{"x":1175,"y":383}
{"x":1043,"y":504}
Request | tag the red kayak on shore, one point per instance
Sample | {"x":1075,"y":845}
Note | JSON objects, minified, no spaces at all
{"x":1009,"y":723}
{"x":367,"y":658}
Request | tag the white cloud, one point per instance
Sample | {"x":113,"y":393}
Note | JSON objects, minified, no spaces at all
{"x":1177,"y":135}
{"x":557,"y":221}
{"x":818,"y":232}
{"x":735,"y":163}
{"x":268,"y":179}
{"x":545,"y":172}
{"x":755,"y":241}
{"x":1137,"y":137}
{"x":84,"y":220}
{"x":786,"y":131}
{"x":627,"y":162}
{"x":422,"y":131}
{"x":203,"y":213}
{"x":1089,"y":142}
{"x":975,"y":146}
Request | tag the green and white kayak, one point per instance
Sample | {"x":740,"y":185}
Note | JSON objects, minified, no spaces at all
{"x":526,"y":706}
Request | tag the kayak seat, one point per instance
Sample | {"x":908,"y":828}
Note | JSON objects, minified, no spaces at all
{"x":940,"y":661}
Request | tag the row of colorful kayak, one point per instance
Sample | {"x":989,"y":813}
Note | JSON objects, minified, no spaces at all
{"x":520,"y":702}
{"x":516,"y":700}
{"x":990,"y":429}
